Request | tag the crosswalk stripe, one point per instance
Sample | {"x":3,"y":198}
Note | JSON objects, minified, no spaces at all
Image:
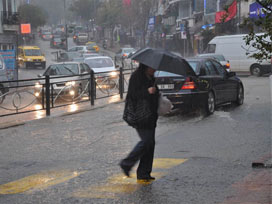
{"x":119,"y":184}
{"x":38,"y":181}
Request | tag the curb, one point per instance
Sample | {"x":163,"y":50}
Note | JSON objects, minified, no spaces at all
{"x":89,"y":109}
{"x":20,"y":123}
{"x":10,"y":124}
{"x":264,"y":162}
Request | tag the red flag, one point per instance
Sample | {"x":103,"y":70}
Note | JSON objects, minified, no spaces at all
{"x":221,"y":15}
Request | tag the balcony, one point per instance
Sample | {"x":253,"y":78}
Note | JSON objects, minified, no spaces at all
{"x":10,"y":21}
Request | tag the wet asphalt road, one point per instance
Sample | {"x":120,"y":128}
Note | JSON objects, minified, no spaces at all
{"x":74,"y":158}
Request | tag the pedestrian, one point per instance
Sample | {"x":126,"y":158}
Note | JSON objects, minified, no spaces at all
{"x":142,"y":87}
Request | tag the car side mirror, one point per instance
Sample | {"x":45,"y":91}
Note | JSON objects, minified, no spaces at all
{"x":39,"y":75}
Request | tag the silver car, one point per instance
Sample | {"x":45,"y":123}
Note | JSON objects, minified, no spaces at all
{"x":220,"y":58}
{"x":72,"y":84}
{"x":82,"y":49}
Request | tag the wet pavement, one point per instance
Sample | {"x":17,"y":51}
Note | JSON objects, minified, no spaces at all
{"x":73,"y":158}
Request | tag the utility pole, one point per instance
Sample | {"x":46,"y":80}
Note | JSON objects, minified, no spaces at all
{"x":65,"y":24}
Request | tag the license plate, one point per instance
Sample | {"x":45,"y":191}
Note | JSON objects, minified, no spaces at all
{"x":166,"y":86}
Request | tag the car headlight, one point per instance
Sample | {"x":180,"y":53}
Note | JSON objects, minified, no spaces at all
{"x":113,"y":74}
{"x":70,"y":83}
{"x":29,"y":60}
{"x":38,"y":85}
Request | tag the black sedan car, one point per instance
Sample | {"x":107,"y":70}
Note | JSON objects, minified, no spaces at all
{"x":210,"y":87}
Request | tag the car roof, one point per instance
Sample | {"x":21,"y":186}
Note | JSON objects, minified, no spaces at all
{"x":98,"y":57}
{"x":210,"y":54}
{"x":66,"y":63}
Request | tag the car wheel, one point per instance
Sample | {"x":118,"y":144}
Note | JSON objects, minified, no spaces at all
{"x":2,"y":97}
{"x":240,"y":95}
{"x":210,"y":105}
{"x":256,"y":70}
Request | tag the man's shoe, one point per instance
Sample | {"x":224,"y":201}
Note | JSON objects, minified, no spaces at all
{"x":148,"y":178}
{"x":125,"y":170}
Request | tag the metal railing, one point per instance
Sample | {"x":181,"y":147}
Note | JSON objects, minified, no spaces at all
{"x":50,"y":92}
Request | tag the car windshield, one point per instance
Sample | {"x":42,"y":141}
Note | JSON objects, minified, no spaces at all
{"x":165,"y":74}
{"x":47,"y":33}
{"x":219,"y":57}
{"x":99,"y":62}
{"x":57,"y":40}
{"x":33,"y":52}
{"x":62,"y":69}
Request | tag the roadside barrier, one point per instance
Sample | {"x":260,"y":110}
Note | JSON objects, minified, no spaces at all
{"x":50,"y":92}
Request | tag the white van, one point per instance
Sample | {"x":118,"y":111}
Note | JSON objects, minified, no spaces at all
{"x":234,"y":48}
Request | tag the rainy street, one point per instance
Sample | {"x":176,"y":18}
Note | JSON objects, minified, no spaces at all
{"x":74,"y":158}
{"x":75,"y":73}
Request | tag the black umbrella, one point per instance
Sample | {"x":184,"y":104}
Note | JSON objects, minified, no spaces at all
{"x":163,"y":60}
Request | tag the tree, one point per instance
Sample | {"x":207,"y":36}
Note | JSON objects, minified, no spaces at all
{"x":86,"y":9}
{"x":32,"y":14}
{"x":261,"y":42}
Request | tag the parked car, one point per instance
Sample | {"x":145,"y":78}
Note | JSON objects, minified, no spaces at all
{"x":31,"y":56}
{"x":123,"y":53}
{"x":3,"y":80}
{"x":57,"y":42}
{"x":82,"y":38}
{"x":209,"y":87}
{"x":71,"y":86}
{"x":220,"y":58}
{"x":46,"y":36}
{"x":81,"y":49}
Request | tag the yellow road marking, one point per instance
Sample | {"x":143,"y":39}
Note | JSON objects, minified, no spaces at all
{"x":38,"y":181}
{"x":167,"y":163}
{"x":120,"y":185}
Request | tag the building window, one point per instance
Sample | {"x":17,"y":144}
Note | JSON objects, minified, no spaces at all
{"x":211,"y":6}
{"x":199,"y":6}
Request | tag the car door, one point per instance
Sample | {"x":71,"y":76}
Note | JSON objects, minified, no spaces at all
{"x":230,"y":84}
{"x":216,"y":81}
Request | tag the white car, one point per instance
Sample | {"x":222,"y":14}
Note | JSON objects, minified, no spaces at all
{"x":65,"y":78}
{"x":82,"y":49}
{"x":101,"y":64}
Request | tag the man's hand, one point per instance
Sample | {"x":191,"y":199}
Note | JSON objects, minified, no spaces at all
{"x":151,"y":90}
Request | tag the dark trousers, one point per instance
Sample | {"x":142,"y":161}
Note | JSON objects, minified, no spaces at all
{"x":143,"y":151}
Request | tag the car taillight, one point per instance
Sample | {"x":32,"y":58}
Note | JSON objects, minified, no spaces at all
{"x":189,"y":84}
{"x":43,"y":36}
{"x":124,"y":55}
{"x":228,"y":64}
{"x":55,"y":43}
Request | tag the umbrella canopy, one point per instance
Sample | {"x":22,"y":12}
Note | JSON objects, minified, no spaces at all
{"x":163,"y":60}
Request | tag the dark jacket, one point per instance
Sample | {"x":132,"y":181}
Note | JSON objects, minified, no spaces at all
{"x":138,"y":90}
